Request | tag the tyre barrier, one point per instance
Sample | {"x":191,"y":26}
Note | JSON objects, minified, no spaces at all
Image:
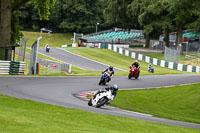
{"x":12,"y":67}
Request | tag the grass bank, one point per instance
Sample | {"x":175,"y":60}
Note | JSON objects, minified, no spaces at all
{"x":161,"y":56}
{"x":183,"y":60}
{"x":120,"y":61}
{"x":179,"y":103}
{"x":54,"y":40}
{"x":19,"y":116}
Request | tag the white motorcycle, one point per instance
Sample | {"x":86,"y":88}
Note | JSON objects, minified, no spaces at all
{"x":100,"y":98}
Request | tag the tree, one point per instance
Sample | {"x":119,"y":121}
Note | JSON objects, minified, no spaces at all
{"x":8,"y":8}
{"x":194,"y":25}
{"x":116,"y":13}
{"x":140,"y":9}
{"x":29,"y":18}
{"x":133,"y":13}
{"x":167,"y":15}
{"x":186,"y":14}
{"x":79,"y":15}
{"x":66,"y":16}
{"x":162,"y":18}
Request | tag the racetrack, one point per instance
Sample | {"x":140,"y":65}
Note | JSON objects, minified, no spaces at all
{"x":59,"y":91}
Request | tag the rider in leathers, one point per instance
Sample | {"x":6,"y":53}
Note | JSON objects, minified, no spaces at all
{"x":111,"y":71}
{"x":113,"y":89}
{"x":136,"y":64}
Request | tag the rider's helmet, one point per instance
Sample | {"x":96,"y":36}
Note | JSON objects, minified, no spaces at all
{"x":111,"y":68}
{"x":115,"y":87}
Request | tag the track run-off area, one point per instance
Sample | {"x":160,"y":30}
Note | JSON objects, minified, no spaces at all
{"x":60,"y":91}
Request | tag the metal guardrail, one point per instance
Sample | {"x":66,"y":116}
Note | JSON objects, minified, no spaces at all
{"x":59,"y":66}
{"x":47,"y":63}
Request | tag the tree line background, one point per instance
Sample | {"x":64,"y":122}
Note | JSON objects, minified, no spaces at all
{"x":66,"y":16}
{"x":152,"y":16}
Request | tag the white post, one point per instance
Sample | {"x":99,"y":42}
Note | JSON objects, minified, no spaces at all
{"x":69,"y":68}
{"x":97,"y":27}
{"x":74,"y":37}
{"x":36,"y":57}
{"x":186,"y":48}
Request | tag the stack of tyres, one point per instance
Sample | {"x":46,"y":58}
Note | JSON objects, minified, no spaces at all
{"x":14,"y":68}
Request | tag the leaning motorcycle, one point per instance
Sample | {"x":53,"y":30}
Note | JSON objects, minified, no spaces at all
{"x":100,"y":98}
{"x":134,"y":72}
{"x":104,"y":78}
{"x":151,"y":69}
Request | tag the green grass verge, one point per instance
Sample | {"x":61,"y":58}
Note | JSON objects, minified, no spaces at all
{"x":179,"y":103}
{"x":183,"y":60}
{"x":120,"y":61}
{"x":161,"y":56}
{"x":19,"y":116}
{"x":54,"y":40}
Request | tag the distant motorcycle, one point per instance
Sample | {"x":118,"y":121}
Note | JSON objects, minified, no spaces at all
{"x":47,"y":49}
{"x":134,"y":72}
{"x":100,"y":98}
{"x":104,"y":78}
{"x":151,"y":69}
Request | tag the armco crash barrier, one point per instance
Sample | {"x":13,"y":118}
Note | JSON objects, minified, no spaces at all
{"x":154,"y":61}
{"x":12,"y":67}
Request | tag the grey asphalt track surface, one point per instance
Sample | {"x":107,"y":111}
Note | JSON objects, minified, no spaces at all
{"x":59,"y":91}
{"x":75,"y":60}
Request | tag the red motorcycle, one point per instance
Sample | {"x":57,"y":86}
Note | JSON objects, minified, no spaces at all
{"x":134,"y":72}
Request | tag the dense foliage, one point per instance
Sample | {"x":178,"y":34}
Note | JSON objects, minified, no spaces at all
{"x":9,"y":18}
{"x":153,"y":16}
{"x":157,"y":15}
{"x":66,"y":16}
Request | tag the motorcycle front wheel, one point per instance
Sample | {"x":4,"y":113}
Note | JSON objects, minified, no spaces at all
{"x":129,"y":76}
{"x":101,"y":81}
{"x":90,"y":102}
{"x":101,"y":102}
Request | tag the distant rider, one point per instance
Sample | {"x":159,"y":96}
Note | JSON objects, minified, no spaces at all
{"x":113,"y":89}
{"x":111,"y":71}
{"x":47,"y":48}
{"x":151,"y":68}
